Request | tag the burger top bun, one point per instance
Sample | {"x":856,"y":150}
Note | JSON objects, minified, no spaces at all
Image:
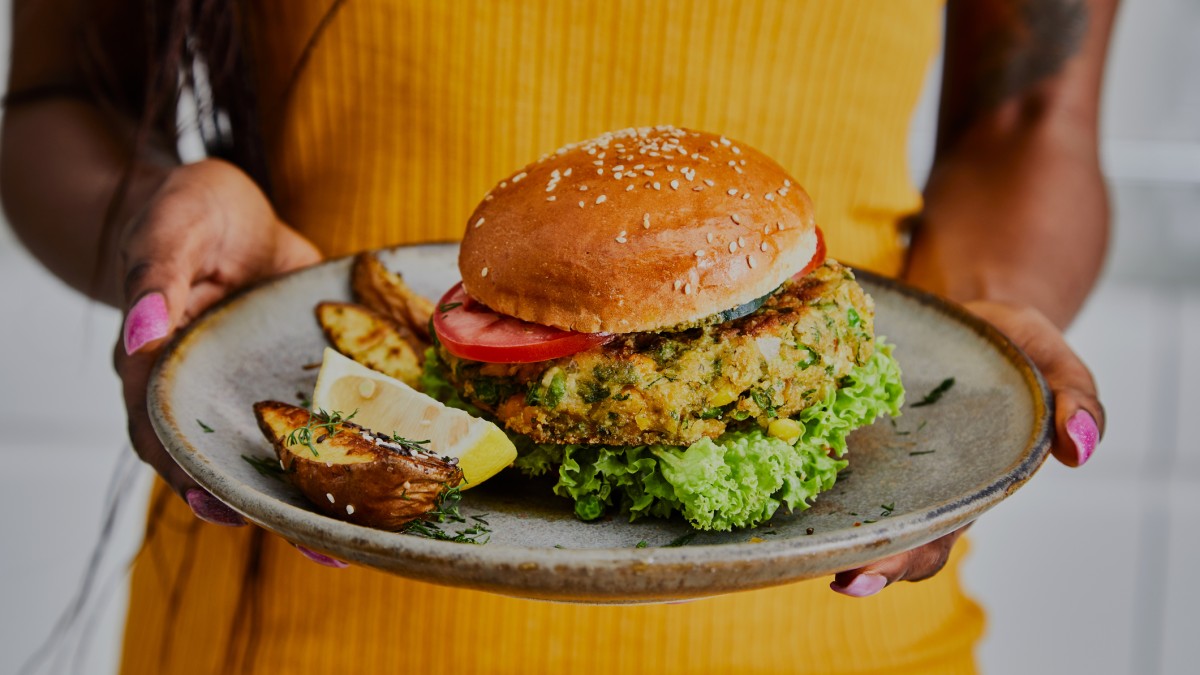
{"x":637,"y":230}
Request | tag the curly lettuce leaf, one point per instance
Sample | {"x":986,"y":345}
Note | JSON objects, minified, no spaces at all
{"x":737,"y":480}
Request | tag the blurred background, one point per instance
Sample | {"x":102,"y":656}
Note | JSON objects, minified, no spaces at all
{"x":1080,"y":571}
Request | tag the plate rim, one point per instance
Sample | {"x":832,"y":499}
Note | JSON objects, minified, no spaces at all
{"x":885,"y":537}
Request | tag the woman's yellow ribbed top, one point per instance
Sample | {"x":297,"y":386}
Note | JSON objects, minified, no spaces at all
{"x":385,"y":122}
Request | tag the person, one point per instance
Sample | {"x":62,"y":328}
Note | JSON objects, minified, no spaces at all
{"x":335,"y":126}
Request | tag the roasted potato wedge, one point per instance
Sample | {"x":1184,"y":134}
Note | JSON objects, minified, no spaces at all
{"x":370,"y":338}
{"x":384,"y":291}
{"x":352,"y":474}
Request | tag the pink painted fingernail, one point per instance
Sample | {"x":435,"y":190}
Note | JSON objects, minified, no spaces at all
{"x":211,"y":510}
{"x":1084,"y":433}
{"x":321,"y":558}
{"x":862,"y":585}
{"x":146,"y":321}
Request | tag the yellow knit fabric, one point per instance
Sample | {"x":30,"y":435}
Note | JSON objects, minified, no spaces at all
{"x":403,"y":114}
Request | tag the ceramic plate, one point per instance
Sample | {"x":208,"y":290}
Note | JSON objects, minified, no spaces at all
{"x":937,"y":468}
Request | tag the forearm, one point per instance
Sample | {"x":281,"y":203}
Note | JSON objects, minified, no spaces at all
{"x":1022,"y":219}
{"x":62,"y":161}
{"x":1015,"y":207}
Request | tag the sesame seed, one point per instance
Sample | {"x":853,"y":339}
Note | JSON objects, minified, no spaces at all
{"x":329,"y":496}
{"x":639,"y":167}
{"x":787,"y":183}
{"x":671,"y":168}
{"x":750,"y":261}
{"x":581,"y":205}
{"x":598,"y":162}
{"x":779,"y":226}
{"x":517,"y":178}
{"x":745,"y":195}
{"x":724,"y":141}
{"x":551,"y":198}
{"x":687,"y":288}
{"x":601,"y":199}
{"x":710,"y":237}
{"x":674,"y":185}
{"x":698,"y":188}
{"x":736,"y":150}
{"x":488,"y":198}
{"x":714,"y":144}
{"x":568,"y":172}
{"x":709,"y":182}
{"x":483,"y":272}
{"x":622,"y":239}
{"x":678,"y":284}
{"x":699,"y":253}
{"x":738,"y":169}
{"x":763,"y":247}
{"x":770,"y":196}
{"x":735,"y":218}
{"x":732,"y":163}
{"x":741,"y":242}
{"x":767,"y":228}
{"x":583,"y":188}
{"x":733,"y":247}
{"x":629,"y":187}
{"x":619,"y":167}
{"x":657,"y":185}
{"x":731,"y":191}
{"x":479,"y":222}
{"x":648,"y":172}
{"x":503,"y":183}
{"x":646,"y":220}
{"x":617,"y":175}
{"x":349,"y":509}
{"x":599,"y":172}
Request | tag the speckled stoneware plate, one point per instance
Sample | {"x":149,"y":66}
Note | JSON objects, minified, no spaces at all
{"x":937,"y":468}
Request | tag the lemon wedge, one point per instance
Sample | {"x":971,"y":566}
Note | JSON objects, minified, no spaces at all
{"x":388,"y":406}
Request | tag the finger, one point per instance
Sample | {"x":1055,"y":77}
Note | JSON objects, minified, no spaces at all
{"x":1078,"y":414}
{"x":134,"y":371}
{"x":915,"y":565}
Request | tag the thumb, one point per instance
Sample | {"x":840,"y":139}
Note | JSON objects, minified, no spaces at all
{"x":1078,"y":414}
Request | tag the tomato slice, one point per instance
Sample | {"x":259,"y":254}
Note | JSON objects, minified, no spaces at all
{"x":818,"y":258}
{"x":469,"y":330}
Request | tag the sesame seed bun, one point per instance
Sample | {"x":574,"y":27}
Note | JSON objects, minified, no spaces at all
{"x":637,"y":230}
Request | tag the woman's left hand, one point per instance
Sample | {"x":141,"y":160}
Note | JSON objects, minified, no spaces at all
{"x":1078,"y":425}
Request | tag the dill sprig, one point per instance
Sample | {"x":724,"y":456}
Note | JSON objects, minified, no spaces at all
{"x":411,"y":445}
{"x":264,"y":467}
{"x":320,"y":420}
{"x":446,"y":510}
{"x":935,"y":395}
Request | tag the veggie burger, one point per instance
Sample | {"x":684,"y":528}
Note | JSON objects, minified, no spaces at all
{"x":651,"y":316}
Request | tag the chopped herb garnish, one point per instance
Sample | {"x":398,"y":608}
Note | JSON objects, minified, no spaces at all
{"x":446,"y":510}
{"x":852,"y":317}
{"x":642,"y":544}
{"x":869,"y":521}
{"x":320,"y":420}
{"x":207,"y":429}
{"x":559,"y":546}
{"x":921,"y":452}
{"x":410,"y":445}
{"x":683,"y":540}
{"x":449,"y":306}
{"x":264,"y":467}
{"x":887,"y":509}
{"x":937,"y":393}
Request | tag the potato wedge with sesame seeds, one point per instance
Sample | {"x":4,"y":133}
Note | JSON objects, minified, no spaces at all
{"x":351,"y":473}
{"x":385,"y":292}
{"x":372,"y":339}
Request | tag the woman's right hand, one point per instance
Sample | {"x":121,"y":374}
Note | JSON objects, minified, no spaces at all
{"x":207,"y":231}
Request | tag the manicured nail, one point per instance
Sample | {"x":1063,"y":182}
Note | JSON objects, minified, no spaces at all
{"x":146,"y":321}
{"x":862,"y":585}
{"x":1084,"y":433}
{"x":321,"y":558}
{"x":210,"y":509}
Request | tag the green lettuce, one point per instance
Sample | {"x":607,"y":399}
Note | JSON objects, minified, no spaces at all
{"x":739,"y":479}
